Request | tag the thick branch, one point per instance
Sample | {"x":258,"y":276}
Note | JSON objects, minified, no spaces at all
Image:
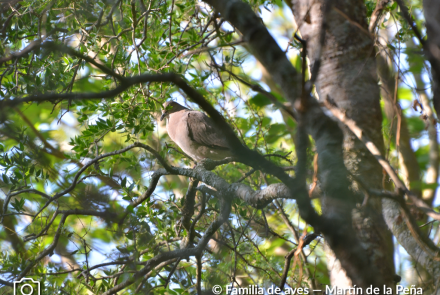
{"x":382,"y":161}
{"x":328,"y":139}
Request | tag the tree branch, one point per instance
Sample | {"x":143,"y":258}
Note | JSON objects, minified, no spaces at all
{"x":382,"y":161}
{"x":153,"y":262}
{"x":377,"y":14}
{"x":328,"y":138}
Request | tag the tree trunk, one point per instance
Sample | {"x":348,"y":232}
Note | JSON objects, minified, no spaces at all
{"x":347,"y":77}
{"x":431,"y":10}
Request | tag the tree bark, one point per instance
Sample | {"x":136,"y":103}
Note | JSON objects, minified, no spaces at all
{"x":347,"y":77}
{"x":431,"y":10}
{"x":336,"y":221}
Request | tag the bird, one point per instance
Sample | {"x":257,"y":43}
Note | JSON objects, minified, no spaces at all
{"x":195,"y":133}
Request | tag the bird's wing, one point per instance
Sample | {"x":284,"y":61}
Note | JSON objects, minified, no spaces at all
{"x":203,"y":131}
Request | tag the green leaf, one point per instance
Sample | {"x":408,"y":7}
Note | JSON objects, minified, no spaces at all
{"x":405,"y":93}
{"x":260,"y":100}
{"x":5,"y":178}
{"x":130,"y":188}
{"x":415,"y":126}
{"x":18,"y":204}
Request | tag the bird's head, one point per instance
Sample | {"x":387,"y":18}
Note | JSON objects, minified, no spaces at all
{"x":171,"y":107}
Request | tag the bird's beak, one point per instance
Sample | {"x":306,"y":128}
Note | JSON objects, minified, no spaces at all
{"x":164,"y":114}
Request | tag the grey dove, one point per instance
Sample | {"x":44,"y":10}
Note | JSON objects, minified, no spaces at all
{"x":195,"y":133}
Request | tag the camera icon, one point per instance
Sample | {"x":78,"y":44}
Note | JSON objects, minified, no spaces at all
{"x":26,"y":286}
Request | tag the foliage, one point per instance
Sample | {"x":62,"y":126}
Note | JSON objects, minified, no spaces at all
{"x":45,"y":145}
